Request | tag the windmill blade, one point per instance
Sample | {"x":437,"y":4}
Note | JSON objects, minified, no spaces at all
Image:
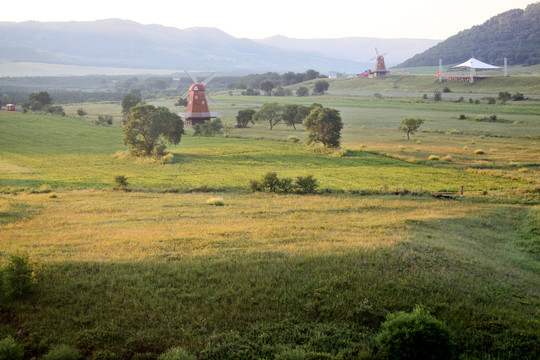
{"x":186,"y":94}
{"x":208,"y":99}
{"x":208,"y":78}
{"x":191,"y":76}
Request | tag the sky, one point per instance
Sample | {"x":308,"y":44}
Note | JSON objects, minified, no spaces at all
{"x":256,"y":19}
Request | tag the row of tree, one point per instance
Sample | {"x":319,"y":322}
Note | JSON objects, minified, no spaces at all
{"x":323,"y":124}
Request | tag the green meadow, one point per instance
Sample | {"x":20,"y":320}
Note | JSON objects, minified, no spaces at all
{"x":130,"y":274}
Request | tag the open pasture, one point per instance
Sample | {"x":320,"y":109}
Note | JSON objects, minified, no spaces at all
{"x":141,"y":272}
{"x":135,"y":273}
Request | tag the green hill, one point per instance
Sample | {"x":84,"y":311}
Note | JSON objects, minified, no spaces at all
{"x":514,"y":35}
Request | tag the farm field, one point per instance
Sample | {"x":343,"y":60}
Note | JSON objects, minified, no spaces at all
{"x":130,"y":274}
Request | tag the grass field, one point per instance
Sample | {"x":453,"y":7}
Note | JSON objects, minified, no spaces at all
{"x":135,"y":273}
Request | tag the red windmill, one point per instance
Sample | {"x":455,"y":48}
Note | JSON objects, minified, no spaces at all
{"x":197,"y":111}
{"x":380,"y":67}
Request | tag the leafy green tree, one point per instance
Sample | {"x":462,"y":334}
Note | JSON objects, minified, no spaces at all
{"x":271,"y":113}
{"x":324,"y":126}
{"x":37,"y":101}
{"x":311,"y":75}
{"x":267,"y":86}
{"x":504,"y":96}
{"x":42,"y":97}
{"x":321,"y":86}
{"x":148,"y":126}
{"x":244,"y":117}
{"x":294,"y":114}
{"x":130,"y":100}
{"x":302,"y":91}
{"x":410,"y":125}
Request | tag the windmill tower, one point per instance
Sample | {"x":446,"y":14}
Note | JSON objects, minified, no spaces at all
{"x":380,"y":67}
{"x":197,"y":111}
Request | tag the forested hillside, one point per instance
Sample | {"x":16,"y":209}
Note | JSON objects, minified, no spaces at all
{"x":514,"y":34}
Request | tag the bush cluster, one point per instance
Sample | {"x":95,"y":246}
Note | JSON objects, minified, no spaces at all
{"x":209,"y":128}
{"x":271,"y":183}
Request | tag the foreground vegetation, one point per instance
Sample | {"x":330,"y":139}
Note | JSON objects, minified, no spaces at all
{"x":183,"y":254}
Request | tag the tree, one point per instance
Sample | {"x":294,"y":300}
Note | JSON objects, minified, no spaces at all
{"x":410,"y":125}
{"x":267,"y":86}
{"x":321,"y":86}
{"x":244,"y":117}
{"x":37,"y":101}
{"x":181,"y":102}
{"x":42,"y":97}
{"x":302,"y":91}
{"x":324,"y":126}
{"x":311,"y":75}
{"x":271,"y":113}
{"x":81,"y":112}
{"x":148,"y":126}
{"x":504,"y":96}
{"x":130,"y":100}
{"x":294,"y":114}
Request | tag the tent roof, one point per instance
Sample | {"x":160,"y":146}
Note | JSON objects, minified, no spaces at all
{"x":476,"y":64}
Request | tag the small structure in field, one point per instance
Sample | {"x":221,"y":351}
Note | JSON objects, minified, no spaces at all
{"x":10,"y":107}
{"x":197,"y":111}
{"x":380,"y":67}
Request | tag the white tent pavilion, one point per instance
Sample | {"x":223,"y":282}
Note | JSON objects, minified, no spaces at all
{"x":473,"y":64}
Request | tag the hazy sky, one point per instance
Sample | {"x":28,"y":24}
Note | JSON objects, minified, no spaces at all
{"x":429,"y":19}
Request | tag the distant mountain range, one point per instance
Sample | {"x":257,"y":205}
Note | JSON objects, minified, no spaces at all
{"x":514,"y":34}
{"x":124,"y":43}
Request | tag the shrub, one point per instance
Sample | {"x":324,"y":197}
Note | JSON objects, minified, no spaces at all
{"x":81,"y":112}
{"x":434,"y":158}
{"x":104,"y":120}
{"x":121,"y":182}
{"x":446,"y":89}
{"x":104,"y":355}
{"x":215,"y":201}
{"x":306,"y":184}
{"x":491,"y":100}
{"x":437,"y":95}
{"x":415,"y":335}
{"x":479,"y":152}
{"x":518,"y":97}
{"x":293,"y":139}
{"x":295,"y":354}
{"x":18,"y":277}
{"x":462,"y":117}
{"x":10,"y":350}
{"x":176,"y":353}
{"x":255,"y":185}
{"x":63,"y":352}
{"x":270,"y":181}
{"x":447,"y":158}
